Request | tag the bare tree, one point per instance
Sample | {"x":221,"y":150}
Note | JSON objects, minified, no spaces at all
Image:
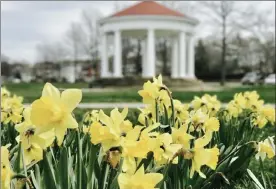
{"x":52,"y":52}
{"x":220,"y":12}
{"x":74,"y":39}
{"x":261,"y":26}
{"x":91,"y":33}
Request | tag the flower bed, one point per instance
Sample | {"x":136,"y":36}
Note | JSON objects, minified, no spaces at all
{"x":174,"y":145}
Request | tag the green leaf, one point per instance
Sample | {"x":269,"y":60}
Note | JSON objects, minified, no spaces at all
{"x":79,"y":162}
{"x":35,"y":183}
{"x":63,"y":169}
{"x":37,"y":174}
{"x":83,"y":177}
{"x":48,"y":173}
{"x":254,"y":178}
{"x":18,"y":160}
{"x":91,"y":163}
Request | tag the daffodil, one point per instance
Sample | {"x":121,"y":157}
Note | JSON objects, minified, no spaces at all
{"x":155,"y":92}
{"x":110,"y":129}
{"x":33,"y":154}
{"x":180,"y":136}
{"x":202,"y":156}
{"x":266,"y":148}
{"x":11,"y":109}
{"x":139,"y":180}
{"x":91,"y":116}
{"x":252,"y":101}
{"x":54,"y":110}
{"x":269,"y":113}
{"x":211,"y":124}
{"x":102,"y":134}
{"x":6,"y":171}
{"x":259,"y":120}
{"x":165,"y":150}
{"x":196,"y":120}
{"x":4,"y":93}
{"x":28,"y":134}
{"x":237,"y":105}
{"x":148,"y":114}
{"x":181,"y":112}
{"x":208,"y":104}
{"x":149,"y":93}
{"x":133,"y":148}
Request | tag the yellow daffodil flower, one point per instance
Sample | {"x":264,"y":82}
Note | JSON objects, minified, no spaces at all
{"x":11,"y":109}
{"x":208,"y":104}
{"x":139,"y":180}
{"x":28,"y":134}
{"x":32,"y":154}
{"x":6,"y":172}
{"x":149,"y":93}
{"x":111,"y":129}
{"x":91,"y":116}
{"x":133,"y":148}
{"x":202,"y":156}
{"x":4,"y":93}
{"x":266,"y":148}
{"x":54,"y":110}
{"x":181,"y":112}
{"x":180,"y":136}
{"x":259,"y":121}
{"x":148,"y":113}
{"x":155,"y":92}
{"x":165,"y":150}
{"x":211,"y":124}
{"x":102,"y":134}
{"x":197,"y":120}
{"x":269,"y":113}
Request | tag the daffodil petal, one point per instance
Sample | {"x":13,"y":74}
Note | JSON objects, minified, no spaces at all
{"x":60,"y":132}
{"x":51,"y":91}
{"x":70,"y":122}
{"x":71,"y":98}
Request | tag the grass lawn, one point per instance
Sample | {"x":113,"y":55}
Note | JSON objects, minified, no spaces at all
{"x":32,"y":91}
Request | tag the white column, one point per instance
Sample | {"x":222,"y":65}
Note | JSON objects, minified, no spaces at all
{"x":144,"y":58}
{"x":182,"y":54}
{"x":174,"y":59}
{"x":104,"y":58}
{"x":117,"y":63}
{"x":191,"y":57}
{"x":150,"y":66}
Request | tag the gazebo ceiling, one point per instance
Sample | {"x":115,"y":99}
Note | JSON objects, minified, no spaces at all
{"x":147,"y":8}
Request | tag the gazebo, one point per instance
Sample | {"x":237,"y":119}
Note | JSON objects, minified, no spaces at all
{"x":148,"y":20}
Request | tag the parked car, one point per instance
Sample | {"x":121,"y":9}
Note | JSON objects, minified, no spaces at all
{"x":252,"y":78}
{"x":270,"y":79}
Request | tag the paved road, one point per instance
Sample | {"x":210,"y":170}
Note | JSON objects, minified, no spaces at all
{"x":102,"y":105}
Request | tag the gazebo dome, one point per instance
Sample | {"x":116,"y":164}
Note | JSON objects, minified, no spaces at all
{"x":148,"y":21}
{"x":147,"y":8}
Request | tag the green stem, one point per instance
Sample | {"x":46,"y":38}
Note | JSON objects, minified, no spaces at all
{"x":105,"y":175}
{"x":24,"y":165}
{"x":79,"y":174}
{"x":165,"y":173}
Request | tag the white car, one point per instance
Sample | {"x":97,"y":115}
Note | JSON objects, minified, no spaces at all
{"x":251,"y":78}
{"x":270,"y":79}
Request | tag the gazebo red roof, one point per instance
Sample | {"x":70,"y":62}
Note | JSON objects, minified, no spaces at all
{"x":147,"y":8}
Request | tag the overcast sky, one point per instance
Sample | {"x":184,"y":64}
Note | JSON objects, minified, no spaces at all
{"x":25,"y":24}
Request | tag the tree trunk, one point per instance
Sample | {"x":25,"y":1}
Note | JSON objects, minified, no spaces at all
{"x":165,"y":58}
{"x":223,"y":53}
{"x":138,"y":59}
